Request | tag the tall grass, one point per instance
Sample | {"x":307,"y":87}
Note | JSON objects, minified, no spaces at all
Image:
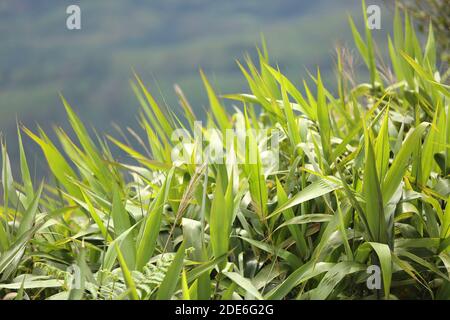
{"x":362,"y":181}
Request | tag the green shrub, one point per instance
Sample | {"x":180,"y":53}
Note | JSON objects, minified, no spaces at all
{"x":362,"y":180}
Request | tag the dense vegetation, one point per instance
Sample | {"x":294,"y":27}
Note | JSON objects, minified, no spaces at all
{"x":436,"y":12}
{"x":362,"y":180}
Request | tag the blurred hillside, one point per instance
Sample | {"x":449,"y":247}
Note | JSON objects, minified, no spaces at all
{"x":165,"y":41}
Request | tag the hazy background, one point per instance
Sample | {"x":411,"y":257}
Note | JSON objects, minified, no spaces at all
{"x":165,"y":41}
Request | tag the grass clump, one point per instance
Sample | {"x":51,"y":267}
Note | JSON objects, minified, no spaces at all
{"x":361,"y":185}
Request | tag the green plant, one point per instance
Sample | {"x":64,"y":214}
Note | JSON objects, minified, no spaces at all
{"x":434,"y":13}
{"x":362,"y":179}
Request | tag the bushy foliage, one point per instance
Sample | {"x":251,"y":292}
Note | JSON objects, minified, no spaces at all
{"x":437,"y":14}
{"x":362,"y":180}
